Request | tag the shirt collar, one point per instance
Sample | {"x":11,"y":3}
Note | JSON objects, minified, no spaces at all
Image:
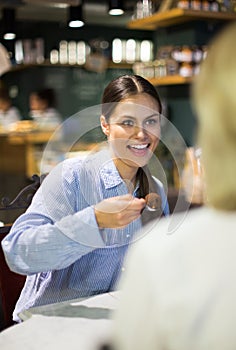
{"x":109,"y":174}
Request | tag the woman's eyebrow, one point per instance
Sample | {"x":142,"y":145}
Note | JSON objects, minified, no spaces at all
{"x":152,"y":115}
{"x":132,"y":117}
{"x":128,"y":116}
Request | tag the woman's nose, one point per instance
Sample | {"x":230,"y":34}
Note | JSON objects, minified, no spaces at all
{"x":139,"y":131}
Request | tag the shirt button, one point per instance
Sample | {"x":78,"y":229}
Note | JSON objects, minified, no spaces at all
{"x":123,"y":269}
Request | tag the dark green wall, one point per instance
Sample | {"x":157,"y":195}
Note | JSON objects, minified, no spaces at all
{"x":75,"y":87}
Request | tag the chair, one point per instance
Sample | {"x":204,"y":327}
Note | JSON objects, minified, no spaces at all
{"x":11,"y":283}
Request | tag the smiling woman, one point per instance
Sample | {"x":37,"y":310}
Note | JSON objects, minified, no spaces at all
{"x":72,"y":240}
{"x":130,"y":119}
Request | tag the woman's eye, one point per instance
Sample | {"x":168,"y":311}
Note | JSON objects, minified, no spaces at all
{"x":128,"y":122}
{"x":151,"y":121}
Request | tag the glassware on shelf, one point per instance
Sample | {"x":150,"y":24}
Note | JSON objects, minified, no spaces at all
{"x":143,"y":8}
{"x":160,"y":68}
{"x":54,"y":56}
{"x":146,"y":51}
{"x":131,"y":50}
{"x":63,"y":52}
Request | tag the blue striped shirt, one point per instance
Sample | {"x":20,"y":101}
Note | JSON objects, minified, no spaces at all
{"x":57,"y":242}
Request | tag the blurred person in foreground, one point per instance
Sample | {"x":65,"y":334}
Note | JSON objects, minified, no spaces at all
{"x":179,"y":288}
{"x":72,"y":240}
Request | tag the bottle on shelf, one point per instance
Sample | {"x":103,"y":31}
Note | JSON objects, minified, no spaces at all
{"x":196,"y":54}
{"x":196,"y":5}
{"x":130,"y":51}
{"x":83,"y":51}
{"x":143,"y":8}
{"x":39,"y":50}
{"x":172,"y":67}
{"x":160,"y":69}
{"x":197,"y":58}
{"x":72,"y":52}
{"x":183,"y":4}
{"x":54,"y":56}
{"x":205,"y":5}
{"x":186,"y":69}
{"x":63,"y":52}
{"x":186,"y":54}
{"x":146,"y":51}
{"x":214,"y":6}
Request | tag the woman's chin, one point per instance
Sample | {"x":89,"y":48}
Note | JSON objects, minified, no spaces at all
{"x":137,"y":161}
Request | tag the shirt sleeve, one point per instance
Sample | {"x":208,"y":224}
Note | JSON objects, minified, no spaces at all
{"x":53,"y":233}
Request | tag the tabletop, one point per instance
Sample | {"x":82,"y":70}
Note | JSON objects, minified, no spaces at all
{"x":75,"y":324}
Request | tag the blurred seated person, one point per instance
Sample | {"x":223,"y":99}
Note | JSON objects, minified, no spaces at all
{"x":179,"y":286}
{"x":9,"y":114}
{"x":43,"y":109}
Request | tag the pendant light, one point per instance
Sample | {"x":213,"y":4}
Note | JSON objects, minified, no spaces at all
{"x":116,"y":7}
{"x":8,"y":19}
{"x":75,"y":17}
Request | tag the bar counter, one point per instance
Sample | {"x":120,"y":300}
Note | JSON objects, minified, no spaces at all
{"x":17,"y":151}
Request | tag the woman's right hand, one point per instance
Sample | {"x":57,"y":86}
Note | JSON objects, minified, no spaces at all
{"x":117,"y":212}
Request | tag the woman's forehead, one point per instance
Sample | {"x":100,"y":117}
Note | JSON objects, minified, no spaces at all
{"x":142,"y":99}
{"x":136,"y":108}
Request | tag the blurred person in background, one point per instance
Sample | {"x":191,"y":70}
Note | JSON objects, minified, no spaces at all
{"x":9,"y":114}
{"x":43,"y":108}
{"x":179,"y":287}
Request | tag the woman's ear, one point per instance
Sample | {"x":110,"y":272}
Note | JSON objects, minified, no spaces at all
{"x":105,"y":126}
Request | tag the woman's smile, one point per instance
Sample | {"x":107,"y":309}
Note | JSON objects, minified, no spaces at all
{"x":139,"y":150}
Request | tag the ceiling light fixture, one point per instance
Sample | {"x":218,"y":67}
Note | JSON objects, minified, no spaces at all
{"x":76,"y":15}
{"x":116,"y":7}
{"x":8,"y":18}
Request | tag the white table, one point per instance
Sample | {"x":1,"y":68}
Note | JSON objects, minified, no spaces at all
{"x":73,"y":325}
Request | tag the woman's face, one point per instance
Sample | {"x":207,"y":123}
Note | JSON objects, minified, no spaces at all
{"x":37,"y":104}
{"x":133,"y":130}
{"x":4,"y":105}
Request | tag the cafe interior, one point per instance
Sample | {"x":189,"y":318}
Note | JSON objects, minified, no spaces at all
{"x":68,"y":51}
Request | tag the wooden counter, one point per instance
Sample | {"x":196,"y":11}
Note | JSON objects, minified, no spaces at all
{"x":17,"y":151}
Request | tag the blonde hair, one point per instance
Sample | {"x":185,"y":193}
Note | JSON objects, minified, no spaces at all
{"x":214,"y":100}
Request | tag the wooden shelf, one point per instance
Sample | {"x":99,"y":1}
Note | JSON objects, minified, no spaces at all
{"x":111,"y":65}
{"x":122,"y":65}
{"x":177,"y":16}
{"x":171,"y":80}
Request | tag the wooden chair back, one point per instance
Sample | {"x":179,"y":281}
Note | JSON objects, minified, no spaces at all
{"x":12,"y":283}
